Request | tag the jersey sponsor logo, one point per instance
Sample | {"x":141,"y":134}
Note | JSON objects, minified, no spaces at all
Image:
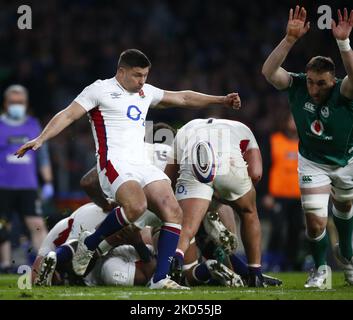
{"x":325,"y":112}
{"x":307,"y":179}
{"x":134,"y":113}
{"x":181,"y":189}
{"x":317,"y":127}
{"x":309,"y":107}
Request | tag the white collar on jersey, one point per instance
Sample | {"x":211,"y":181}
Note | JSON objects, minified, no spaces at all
{"x":121,"y":87}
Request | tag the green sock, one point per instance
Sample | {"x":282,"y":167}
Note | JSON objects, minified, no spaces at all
{"x":345,"y":229}
{"x":318,"y":250}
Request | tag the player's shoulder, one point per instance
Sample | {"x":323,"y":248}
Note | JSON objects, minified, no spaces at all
{"x":99,"y":84}
{"x":194,"y":123}
{"x":240,"y":125}
{"x":338,"y":82}
{"x":148,"y":88}
{"x":88,"y":208}
{"x":59,"y":227}
{"x":234,"y":124}
{"x":297,"y":79}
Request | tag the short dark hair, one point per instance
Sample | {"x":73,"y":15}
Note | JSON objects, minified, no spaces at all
{"x":321,"y":64}
{"x":131,"y":58}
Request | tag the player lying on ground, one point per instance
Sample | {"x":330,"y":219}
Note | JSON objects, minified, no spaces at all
{"x":116,"y":267}
{"x":131,"y":261}
{"x":322,"y":107}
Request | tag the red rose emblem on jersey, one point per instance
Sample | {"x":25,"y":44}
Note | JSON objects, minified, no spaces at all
{"x":317,"y":127}
{"x":141,"y":93}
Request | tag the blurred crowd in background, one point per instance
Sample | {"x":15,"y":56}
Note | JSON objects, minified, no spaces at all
{"x":215,"y":47}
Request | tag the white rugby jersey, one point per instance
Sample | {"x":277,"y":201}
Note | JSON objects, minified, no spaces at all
{"x":118,"y":119}
{"x":87,"y":216}
{"x":226,"y":136}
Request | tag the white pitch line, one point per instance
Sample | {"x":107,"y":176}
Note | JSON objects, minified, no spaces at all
{"x":127,"y":294}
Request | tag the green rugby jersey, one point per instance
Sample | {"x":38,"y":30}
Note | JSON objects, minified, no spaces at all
{"x":325,"y":131}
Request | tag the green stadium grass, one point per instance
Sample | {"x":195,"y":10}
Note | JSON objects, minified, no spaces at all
{"x":292,"y":289}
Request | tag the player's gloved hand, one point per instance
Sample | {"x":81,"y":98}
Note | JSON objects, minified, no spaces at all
{"x":47,"y":191}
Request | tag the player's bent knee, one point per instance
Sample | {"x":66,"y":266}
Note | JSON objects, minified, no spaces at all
{"x":315,"y":229}
{"x":177,"y":214}
{"x":189,"y":231}
{"x":248,"y":212}
{"x":342,"y":196}
{"x":344,"y":207}
{"x":134,"y":211}
{"x":315,"y":204}
{"x":174,"y":214}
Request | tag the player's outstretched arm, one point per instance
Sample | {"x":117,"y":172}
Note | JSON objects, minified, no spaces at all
{"x":58,"y":123}
{"x":198,"y":100}
{"x":341,"y":32}
{"x":272,"y":69}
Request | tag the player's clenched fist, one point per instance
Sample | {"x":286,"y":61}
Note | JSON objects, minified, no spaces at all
{"x":232,"y":100}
